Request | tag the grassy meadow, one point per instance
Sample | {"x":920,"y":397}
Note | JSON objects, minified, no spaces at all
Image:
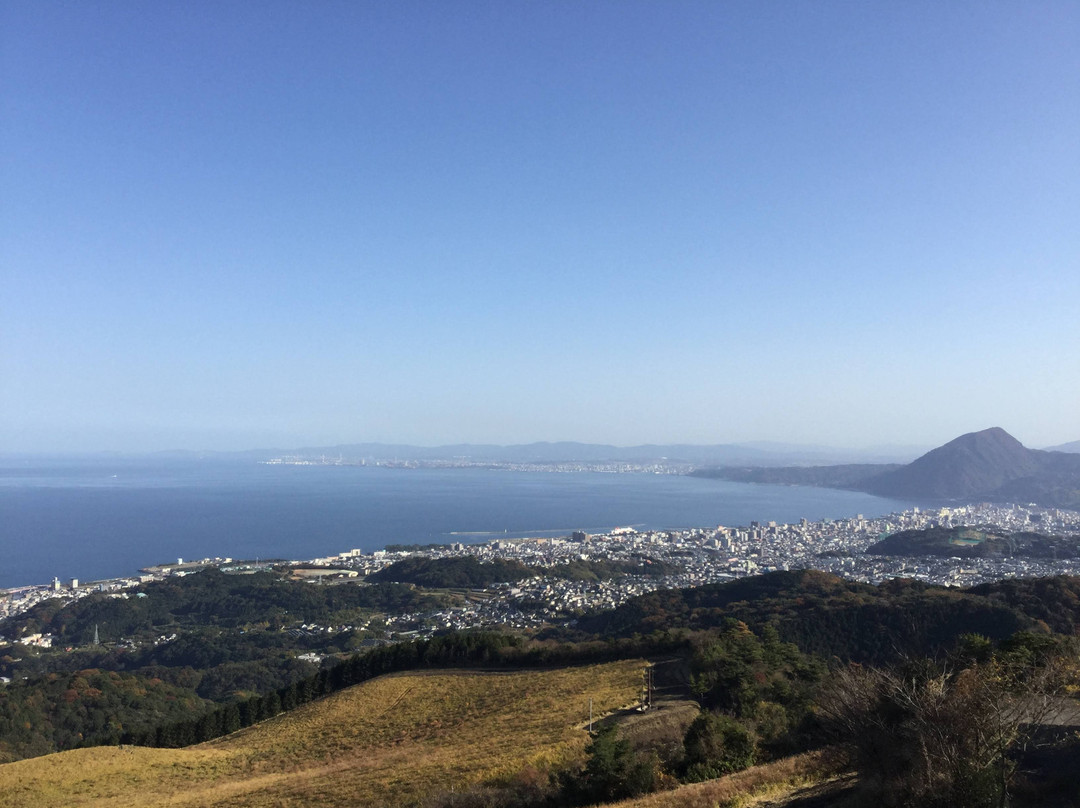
{"x":392,"y":741}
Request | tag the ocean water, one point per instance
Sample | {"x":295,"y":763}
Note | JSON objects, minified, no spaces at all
{"x":94,"y":519}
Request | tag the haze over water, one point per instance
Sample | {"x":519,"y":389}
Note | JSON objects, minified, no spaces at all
{"x":107,"y":518}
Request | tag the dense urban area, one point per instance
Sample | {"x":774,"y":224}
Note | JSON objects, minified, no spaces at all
{"x":701,"y":555}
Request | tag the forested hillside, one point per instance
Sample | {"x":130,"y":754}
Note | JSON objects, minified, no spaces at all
{"x":213,"y":599}
{"x":824,"y":614}
{"x":469,"y":572}
{"x":760,"y":656}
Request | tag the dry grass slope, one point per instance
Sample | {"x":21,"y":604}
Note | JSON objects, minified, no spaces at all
{"x":770,"y":785}
{"x":387,"y":742}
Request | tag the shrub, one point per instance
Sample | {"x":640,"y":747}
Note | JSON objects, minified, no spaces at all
{"x":717,"y":744}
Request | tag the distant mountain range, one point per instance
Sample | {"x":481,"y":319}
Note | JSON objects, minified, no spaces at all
{"x":990,"y":465}
{"x":748,"y":454}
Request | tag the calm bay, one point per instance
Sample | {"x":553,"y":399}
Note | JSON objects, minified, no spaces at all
{"x":97,"y":518}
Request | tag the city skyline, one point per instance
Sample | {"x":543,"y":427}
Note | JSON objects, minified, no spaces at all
{"x":836,"y":224}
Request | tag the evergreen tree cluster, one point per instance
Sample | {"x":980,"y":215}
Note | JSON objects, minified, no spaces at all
{"x":453,"y":650}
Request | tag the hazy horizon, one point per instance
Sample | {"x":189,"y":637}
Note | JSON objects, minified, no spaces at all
{"x":834,"y":224}
{"x":883,"y":452}
{"x":882,"y":446}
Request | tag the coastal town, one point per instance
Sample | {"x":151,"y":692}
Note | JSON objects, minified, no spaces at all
{"x":700,"y":555}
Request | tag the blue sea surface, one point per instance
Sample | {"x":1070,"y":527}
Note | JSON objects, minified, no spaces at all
{"x":97,"y":518}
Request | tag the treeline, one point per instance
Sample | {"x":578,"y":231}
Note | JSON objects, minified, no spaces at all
{"x":756,"y":675}
{"x":454,"y":650}
{"x":756,"y":690}
{"x":175,"y":705}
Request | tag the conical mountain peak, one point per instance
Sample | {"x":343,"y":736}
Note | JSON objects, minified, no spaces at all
{"x":967,"y":466}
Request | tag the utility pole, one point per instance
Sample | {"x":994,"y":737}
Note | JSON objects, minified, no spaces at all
{"x":590,"y":716}
{"x":646,"y":688}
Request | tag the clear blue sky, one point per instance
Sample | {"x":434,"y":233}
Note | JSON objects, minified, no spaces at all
{"x":233,"y":225}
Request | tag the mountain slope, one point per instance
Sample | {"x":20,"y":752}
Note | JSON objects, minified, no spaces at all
{"x":391,"y":741}
{"x":989,"y":465}
{"x":971,"y":465}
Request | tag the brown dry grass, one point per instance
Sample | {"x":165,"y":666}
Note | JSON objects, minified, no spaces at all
{"x":390,"y":741}
{"x":769,"y":783}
